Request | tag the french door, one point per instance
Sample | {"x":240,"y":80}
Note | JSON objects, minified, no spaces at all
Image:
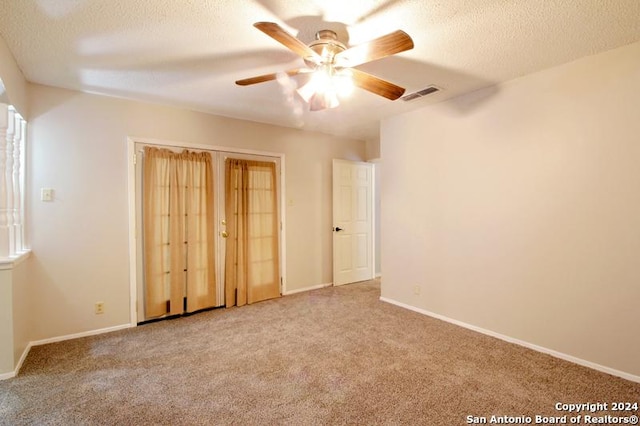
{"x":177,"y":270}
{"x":252,"y":228}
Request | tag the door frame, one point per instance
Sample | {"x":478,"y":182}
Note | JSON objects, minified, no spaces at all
{"x":135,"y":233}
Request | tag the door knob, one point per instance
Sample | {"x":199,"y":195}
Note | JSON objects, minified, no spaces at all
{"x":224,"y":234}
{"x":338,"y":229}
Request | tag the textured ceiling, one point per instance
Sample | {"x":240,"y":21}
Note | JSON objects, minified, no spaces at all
{"x":188,"y":53}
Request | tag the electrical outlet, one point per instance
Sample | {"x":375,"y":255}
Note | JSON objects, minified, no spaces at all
{"x":416,"y":290}
{"x":99,"y":308}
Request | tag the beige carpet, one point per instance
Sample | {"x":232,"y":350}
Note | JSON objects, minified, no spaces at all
{"x":331,"y":356}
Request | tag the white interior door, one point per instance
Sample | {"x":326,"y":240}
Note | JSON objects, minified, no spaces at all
{"x":352,"y":222}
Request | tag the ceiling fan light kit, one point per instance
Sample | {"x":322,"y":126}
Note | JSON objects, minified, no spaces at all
{"x":331,"y":64}
{"x":326,"y":86}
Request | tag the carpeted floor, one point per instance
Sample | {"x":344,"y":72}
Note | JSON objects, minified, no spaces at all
{"x":330,"y":356}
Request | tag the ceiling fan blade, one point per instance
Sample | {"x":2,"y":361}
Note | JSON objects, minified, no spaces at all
{"x":277,"y":33}
{"x":266,"y":77}
{"x":376,"y":85}
{"x":381,"y":47}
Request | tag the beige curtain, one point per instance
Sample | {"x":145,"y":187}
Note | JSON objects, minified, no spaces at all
{"x":178,"y":232}
{"x":251,"y":260}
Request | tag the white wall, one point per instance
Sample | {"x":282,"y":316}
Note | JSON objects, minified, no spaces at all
{"x":80,"y":241}
{"x":516,"y":209}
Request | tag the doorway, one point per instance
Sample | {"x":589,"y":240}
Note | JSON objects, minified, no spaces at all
{"x":218,"y":223}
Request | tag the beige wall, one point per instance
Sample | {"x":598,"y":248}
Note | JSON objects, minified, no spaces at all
{"x":15,"y":313}
{"x":22,"y":312}
{"x":13,"y":81}
{"x":373,"y":155}
{"x":516,"y":209}
{"x":80,"y":241}
{"x":6,"y":322}
{"x":15,"y":307}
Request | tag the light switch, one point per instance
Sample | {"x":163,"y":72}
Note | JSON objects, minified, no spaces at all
{"x":46,"y":194}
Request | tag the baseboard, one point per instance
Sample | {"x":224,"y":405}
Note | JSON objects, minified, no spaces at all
{"x":10,"y":375}
{"x":300,"y":290}
{"x":14,"y":373}
{"x":23,"y":357}
{"x":519,"y":342}
{"x":78,"y":335}
{"x":5,"y":376}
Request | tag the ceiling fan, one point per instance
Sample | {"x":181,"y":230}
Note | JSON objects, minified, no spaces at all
{"x":331,"y":64}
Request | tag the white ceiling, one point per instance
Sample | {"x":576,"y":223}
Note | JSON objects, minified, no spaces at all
{"x":189,"y":53}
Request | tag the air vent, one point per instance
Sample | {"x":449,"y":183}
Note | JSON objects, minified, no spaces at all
{"x":420,"y":93}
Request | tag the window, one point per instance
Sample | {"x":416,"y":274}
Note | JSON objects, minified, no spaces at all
{"x":12,"y":159}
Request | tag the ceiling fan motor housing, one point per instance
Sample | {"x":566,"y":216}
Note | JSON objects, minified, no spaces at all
{"x":327,"y":46}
